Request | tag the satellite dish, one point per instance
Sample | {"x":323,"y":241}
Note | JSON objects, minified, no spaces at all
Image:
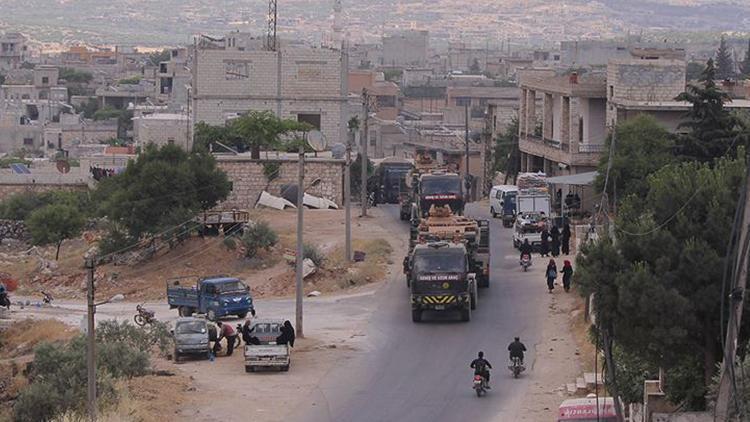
{"x":63,"y":166}
{"x":316,"y":140}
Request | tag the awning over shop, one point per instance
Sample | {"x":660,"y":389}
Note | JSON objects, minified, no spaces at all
{"x":580,"y":179}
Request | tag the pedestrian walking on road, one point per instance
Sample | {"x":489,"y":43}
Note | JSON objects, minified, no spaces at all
{"x":555,"y":235}
{"x":551,"y":274}
{"x":566,"y":239}
{"x":228,"y":332}
{"x":567,"y":273}
{"x":544,"y":246}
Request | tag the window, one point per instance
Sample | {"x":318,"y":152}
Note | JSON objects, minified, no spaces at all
{"x":386,"y":101}
{"x":45,"y":80}
{"x":170,"y":141}
{"x":580,"y":129}
{"x":42,"y":95}
{"x":611,"y":91}
{"x":235,"y":70}
{"x":463,"y":101}
{"x":311,"y":119}
{"x":28,"y":142}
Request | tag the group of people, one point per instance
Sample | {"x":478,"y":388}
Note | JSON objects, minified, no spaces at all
{"x":226,"y":331}
{"x":551,"y":275}
{"x":553,"y":239}
{"x":482,"y":366}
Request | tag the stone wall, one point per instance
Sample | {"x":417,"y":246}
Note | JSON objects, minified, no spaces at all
{"x":248,"y":179}
{"x":9,"y":189}
{"x":13,"y":229}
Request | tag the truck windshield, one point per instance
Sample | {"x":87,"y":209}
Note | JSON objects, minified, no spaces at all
{"x":194,"y":327}
{"x":444,"y":262}
{"x":441,"y":184}
{"x":231,"y":287}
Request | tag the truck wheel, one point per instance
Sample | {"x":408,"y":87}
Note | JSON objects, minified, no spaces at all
{"x":466,"y":315}
{"x":185,"y":311}
{"x":211,"y":315}
{"x":492,"y":211}
{"x":416,"y":315}
{"x":473,"y":301}
{"x":242,"y":315}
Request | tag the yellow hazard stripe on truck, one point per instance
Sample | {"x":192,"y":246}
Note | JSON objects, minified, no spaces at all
{"x":438,"y":300}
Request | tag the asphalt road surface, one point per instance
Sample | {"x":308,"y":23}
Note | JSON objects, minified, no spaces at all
{"x":420,"y":372}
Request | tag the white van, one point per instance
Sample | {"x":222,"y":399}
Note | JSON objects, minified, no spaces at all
{"x":498,"y":195}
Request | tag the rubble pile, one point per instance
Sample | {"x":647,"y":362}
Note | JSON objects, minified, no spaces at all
{"x":14,"y":229}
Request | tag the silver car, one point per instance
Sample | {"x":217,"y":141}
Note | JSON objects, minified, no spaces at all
{"x":191,"y":337}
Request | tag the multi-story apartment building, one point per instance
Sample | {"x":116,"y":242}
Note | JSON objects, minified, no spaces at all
{"x":13,"y":50}
{"x":236,"y":74}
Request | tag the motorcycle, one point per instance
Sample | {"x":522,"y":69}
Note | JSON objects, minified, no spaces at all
{"x":4,"y":300}
{"x":525,"y":262}
{"x":143,"y":316}
{"x":480,"y":385}
{"x":47,"y":298}
{"x":516,"y":367}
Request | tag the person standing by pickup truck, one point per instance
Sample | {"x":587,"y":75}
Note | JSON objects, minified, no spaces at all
{"x":228,"y":332}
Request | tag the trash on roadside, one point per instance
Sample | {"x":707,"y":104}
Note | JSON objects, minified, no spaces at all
{"x":314,"y":293}
{"x":308,"y":267}
{"x":359,"y":256}
{"x":312,"y":201}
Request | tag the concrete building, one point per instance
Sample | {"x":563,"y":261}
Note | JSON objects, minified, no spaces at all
{"x":162,"y":129}
{"x":386,"y":93}
{"x":406,"y":48}
{"x":236,"y":74}
{"x":594,"y":53}
{"x":173,"y":78}
{"x":13,"y":50}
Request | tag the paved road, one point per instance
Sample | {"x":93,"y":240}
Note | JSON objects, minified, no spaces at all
{"x":419,"y":372}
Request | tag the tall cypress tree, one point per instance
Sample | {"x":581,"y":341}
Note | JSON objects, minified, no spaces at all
{"x":745,"y":65}
{"x":712,"y":128}
{"x":724,"y":62}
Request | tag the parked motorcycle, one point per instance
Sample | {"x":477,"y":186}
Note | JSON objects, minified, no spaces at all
{"x":525,"y":262}
{"x":144,"y":316}
{"x":480,"y":385}
{"x":516,"y":367}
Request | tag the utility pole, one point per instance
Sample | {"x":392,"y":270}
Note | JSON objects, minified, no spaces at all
{"x":727,"y":386}
{"x":300,"y":249}
{"x":467,"y":183}
{"x":363,"y":150}
{"x":91,"y":342}
{"x":347,"y":198}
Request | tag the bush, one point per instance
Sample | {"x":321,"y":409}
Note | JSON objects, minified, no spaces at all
{"x":115,"y":240}
{"x":258,"y":236}
{"x":312,"y":252}
{"x":40,"y":401}
{"x":141,"y":339}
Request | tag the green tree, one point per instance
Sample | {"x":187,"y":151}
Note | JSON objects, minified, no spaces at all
{"x":107,"y":113}
{"x":162,"y":188}
{"x":475,"y":69}
{"x":658,"y":290}
{"x":205,"y":135}
{"x":54,"y":223}
{"x":712,"y":128}
{"x":72,"y":75}
{"x":258,"y":236}
{"x":505,"y":151}
{"x":154,"y":59}
{"x":355,"y":172}
{"x":724,"y":62}
{"x":693,"y":71}
{"x":642,"y":146}
{"x":89,"y":108}
{"x":745,"y":65}
{"x":256,"y":130}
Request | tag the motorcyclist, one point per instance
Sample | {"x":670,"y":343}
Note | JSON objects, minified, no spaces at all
{"x":525,"y":248}
{"x":4,"y":299}
{"x":482,"y":367}
{"x":516,"y":349}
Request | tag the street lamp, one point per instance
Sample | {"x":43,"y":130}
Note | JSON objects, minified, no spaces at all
{"x":91,"y":337}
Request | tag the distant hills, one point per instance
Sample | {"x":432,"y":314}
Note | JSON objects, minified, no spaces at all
{"x":150,"y":22}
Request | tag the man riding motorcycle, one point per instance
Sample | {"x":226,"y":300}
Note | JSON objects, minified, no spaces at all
{"x":482,"y":367}
{"x":525,"y":248}
{"x":516,"y":350}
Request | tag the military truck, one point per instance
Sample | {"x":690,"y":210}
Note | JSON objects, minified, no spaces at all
{"x":439,"y":279}
{"x":442,"y":224}
{"x":431,"y":184}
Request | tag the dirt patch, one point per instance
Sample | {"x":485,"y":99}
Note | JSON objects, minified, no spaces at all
{"x":22,"y":337}
{"x":150,"y":398}
{"x":267,"y":274}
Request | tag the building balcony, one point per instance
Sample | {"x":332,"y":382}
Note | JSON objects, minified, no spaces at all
{"x":562,"y":152}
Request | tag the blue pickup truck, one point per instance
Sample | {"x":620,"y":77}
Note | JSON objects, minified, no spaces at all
{"x":214,"y":296}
